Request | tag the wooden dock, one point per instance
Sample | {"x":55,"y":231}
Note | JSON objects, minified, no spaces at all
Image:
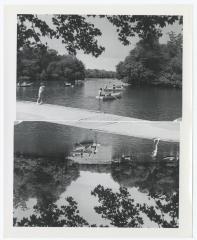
{"x":98,"y":121}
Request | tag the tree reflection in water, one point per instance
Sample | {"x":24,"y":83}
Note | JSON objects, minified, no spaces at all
{"x":122,"y":211}
{"x":46,"y":179}
{"x":153,"y":178}
{"x":41,"y":178}
{"x":54,"y":216}
{"x":120,"y":208}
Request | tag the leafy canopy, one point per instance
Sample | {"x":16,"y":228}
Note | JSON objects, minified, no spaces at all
{"x":76,"y":32}
{"x":119,"y":208}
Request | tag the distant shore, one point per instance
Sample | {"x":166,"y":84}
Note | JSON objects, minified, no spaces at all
{"x":165,"y":84}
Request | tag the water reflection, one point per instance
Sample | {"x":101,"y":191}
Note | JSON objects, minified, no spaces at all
{"x":49,"y":181}
{"x":44,"y":173}
{"x":149,"y":103}
{"x":42,"y":179}
{"x":148,"y":177}
{"x":55,"y":140}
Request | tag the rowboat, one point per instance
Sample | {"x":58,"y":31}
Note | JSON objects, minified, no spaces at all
{"x":85,"y":147}
{"x":67,"y":84}
{"x":109,"y":96}
{"x":24,"y":84}
{"x":91,"y":154}
{"x":126,"y":84}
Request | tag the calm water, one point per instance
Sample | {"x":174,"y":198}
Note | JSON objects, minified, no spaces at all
{"x":151,"y":103}
{"x":42,"y":174}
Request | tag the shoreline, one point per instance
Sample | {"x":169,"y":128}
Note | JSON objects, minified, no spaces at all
{"x":153,"y":84}
{"x":103,"y":122}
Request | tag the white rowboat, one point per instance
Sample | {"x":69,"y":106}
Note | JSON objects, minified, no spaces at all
{"x":110,"y":96}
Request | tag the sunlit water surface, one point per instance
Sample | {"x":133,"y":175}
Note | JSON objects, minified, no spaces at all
{"x":151,"y":103}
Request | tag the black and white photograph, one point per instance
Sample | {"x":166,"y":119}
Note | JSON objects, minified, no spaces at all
{"x":92,"y":153}
{"x":78,"y":65}
{"x":98,"y":121}
{"x":71,"y":176}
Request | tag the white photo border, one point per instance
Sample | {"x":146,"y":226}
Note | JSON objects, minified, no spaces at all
{"x":185,"y":184}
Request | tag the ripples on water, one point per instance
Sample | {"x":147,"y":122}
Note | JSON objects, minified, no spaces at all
{"x":151,"y":103}
{"x":42,"y":175}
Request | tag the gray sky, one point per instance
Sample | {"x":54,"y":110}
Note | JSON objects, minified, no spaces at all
{"x":114,"y":50}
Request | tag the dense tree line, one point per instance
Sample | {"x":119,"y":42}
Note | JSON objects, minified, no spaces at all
{"x":97,"y":73}
{"x":43,"y":64}
{"x":153,"y":63}
{"x":46,"y":178}
{"x":76,"y":32}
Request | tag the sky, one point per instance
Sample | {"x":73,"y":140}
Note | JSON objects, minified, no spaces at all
{"x":114,"y":52}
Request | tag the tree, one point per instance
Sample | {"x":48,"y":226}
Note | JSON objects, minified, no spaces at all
{"x":119,"y":208}
{"x":68,"y":68}
{"x":146,"y":28}
{"x":77,"y":33}
{"x":52,"y":216}
{"x":122,"y":211}
{"x":136,"y":68}
{"x":153,"y":63}
{"x":45,"y":64}
{"x":32,"y":62}
{"x":172,"y":67}
{"x":165,"y":205}
{"x":73,"y":30}
{"x":175,"y":44}
{"x":96,"y":73}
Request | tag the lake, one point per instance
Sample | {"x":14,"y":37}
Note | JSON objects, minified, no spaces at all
{"x":151,"y":103}
{"x":42,"y":174}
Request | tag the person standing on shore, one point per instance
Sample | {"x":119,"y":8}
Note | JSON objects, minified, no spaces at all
{"x":100,"y":92}
{"x":41,"y":93}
